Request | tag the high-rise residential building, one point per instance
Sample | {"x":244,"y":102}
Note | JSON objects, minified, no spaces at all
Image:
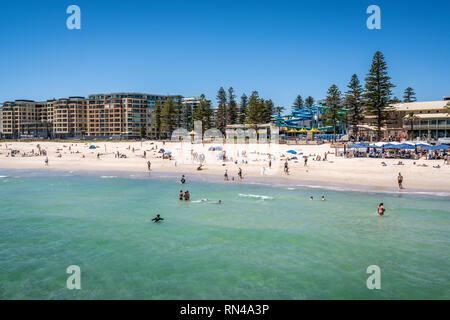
{"x":67,"y":116}
{"x":18,"y":117}
{"x":127,"y":115}
{"x":191,"y":102}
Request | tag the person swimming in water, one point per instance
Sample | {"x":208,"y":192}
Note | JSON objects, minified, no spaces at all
{"x":157,"y":218}
{"x":219,"y":202}
{"x":311,"y":198}
{"x":381,"y":209}
{"x":323,"y":198}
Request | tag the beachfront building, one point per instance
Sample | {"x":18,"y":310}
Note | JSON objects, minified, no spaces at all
{"x":424,"y":120}
{"x":16,"y":117}
{"x":67,"y":116}
{"x":191,"y":102}
{"x":122,"y":115}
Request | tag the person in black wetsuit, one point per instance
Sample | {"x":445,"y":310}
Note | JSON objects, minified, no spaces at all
{"x":157,"y":218}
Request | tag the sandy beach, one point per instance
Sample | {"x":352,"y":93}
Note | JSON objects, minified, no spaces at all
{"x":364,"y":173}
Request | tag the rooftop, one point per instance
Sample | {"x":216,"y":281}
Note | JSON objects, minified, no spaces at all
{"x":426,"y":105}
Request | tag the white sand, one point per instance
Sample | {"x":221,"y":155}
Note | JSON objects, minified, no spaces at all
{"x":336,"y":171}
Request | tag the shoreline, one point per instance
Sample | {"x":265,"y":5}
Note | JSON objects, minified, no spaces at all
{"x":336,"y":173}
{"x":275,"y":182}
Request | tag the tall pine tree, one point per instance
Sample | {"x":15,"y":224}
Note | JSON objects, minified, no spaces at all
{"x":254,"y":110}
{"x":232,"y":115}
{"x":168,"y":114}
{"x":158,"y":107}
{"x":203,"y":113}
{"x":378,"y":91}
{"x":309,"y":102}
{"x":334,"y":107}
{"x":243,"y":109}
{"x":354,"y":103}
{"x":221,"y":113}
{"x":409,"y":95}
{"x":268,"y":111}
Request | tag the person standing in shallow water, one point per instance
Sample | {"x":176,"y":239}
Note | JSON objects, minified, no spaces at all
{"x":181,"y":194}
{"x":400,"y":181}
{"x":187,"y":195}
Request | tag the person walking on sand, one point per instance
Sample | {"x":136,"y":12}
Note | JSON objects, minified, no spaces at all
{"x":149,"y":165}
{"x":400,"y":181}
{"x":46,"y":161}
{"x":225,"y":176}
{"x":306,"y":161}
{"x":286,"y":167}
{"x":240,"y":173}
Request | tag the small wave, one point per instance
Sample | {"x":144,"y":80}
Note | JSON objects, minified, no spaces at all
{"x":290,"y":188}
{"x":198,"y":201}
{"x":256,"y":196}
{"x":108,"y":177}
{"x":3,"y":176}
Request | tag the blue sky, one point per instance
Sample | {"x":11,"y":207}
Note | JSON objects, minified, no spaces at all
{"x":280,"y":48}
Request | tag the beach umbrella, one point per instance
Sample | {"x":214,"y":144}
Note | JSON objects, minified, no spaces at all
{"x":162,"y":150}
{"x":291,"y":151}
{"x":406,"y":146}
{"x":439,"y":147}
{"x":391,"y":146}
{"x":357,"y":146}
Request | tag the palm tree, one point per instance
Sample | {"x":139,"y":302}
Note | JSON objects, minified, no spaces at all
{"x":410,"y":118}
{"x":279,"y":110}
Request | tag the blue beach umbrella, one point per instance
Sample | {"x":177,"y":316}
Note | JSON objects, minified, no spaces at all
{"x":291,"y":151}
{"x":406,"y":146}
{"x":439,"y":147}
{"x":357,"y":146}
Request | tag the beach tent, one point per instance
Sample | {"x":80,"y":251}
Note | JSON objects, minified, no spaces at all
{"x":358,"y":146}
{"x":291,"y":151}
{"x":406,"y":146}
{"x":92,"y":147}
{"x":438,"y":147}
{"x":391,"y":146}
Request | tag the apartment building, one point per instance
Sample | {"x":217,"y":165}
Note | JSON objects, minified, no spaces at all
{"x":18,"y":117}
{"x":128,"y":115}
{"x":67,"y":116}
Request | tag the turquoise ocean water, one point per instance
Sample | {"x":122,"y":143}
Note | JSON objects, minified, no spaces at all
{"x":262,"y":243}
